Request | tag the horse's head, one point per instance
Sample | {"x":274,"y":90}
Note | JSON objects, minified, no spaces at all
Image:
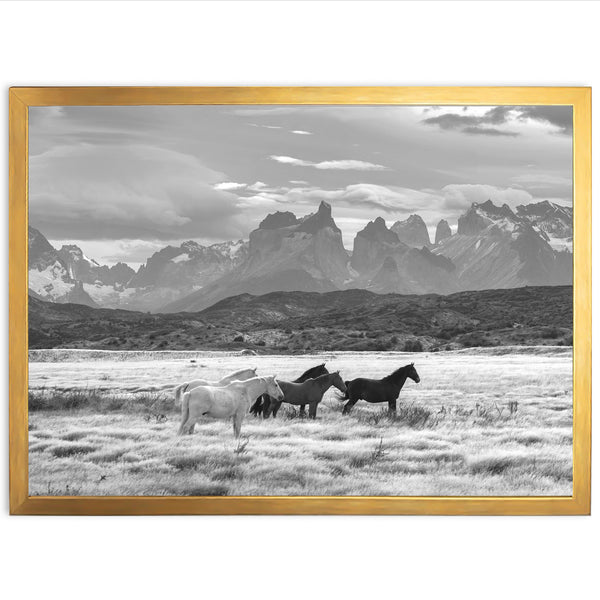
{"x":273,"y":389}
{"x":317,"y":371}
{"x":412,"y":373}
{"x":338,"y":382}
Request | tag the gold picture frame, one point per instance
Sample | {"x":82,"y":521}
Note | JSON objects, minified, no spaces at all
{"x":21,"y":98}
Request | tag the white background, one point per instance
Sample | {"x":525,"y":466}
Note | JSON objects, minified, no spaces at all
{"x":337,"y":43}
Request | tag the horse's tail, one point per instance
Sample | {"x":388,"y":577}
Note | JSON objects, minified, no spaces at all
{"x":257,"y":408}
{"x":185,"y":413}
{"x":345,"y":395}
{"x":179,"y":390}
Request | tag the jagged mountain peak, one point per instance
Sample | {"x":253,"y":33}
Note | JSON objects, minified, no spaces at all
{"x":442,"y":231}
{"x":75,"y":253}
{"x":544,"y":208}
{"x":413,"y":219}
{"x":191,"y":246}
{"x":552,"y":221}
{"x":319,"y":220}
{"x":377,"y":230}
{"x":310,"y":224}
{"x":37,"y":239}
{"x":278,"y":219}
{"x":480,"y":216}
{"x":412,"y":231}
{"x":490,"y":208}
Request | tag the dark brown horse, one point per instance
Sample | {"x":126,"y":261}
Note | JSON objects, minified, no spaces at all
{"x":262,"y":402}
{"x":378,"y":390}
{"x":310,"y":392}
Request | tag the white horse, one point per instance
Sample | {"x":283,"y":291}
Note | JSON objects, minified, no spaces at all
{"x":240,"y":375}
{"x":232,"y":400}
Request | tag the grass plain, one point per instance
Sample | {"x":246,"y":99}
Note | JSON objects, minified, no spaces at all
{"x":495,"y":421}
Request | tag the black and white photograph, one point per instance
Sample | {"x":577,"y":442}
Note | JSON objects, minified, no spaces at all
{"x":300,"y":300}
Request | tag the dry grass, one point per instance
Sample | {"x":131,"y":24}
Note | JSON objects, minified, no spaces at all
{"x":455,"y":434}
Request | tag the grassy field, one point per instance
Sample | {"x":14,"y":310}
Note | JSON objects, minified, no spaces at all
{"x":482,"y":422}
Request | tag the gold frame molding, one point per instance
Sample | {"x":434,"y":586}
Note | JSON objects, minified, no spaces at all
{"x":21,"y":98}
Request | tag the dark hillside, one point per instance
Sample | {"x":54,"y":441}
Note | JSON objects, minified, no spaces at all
{"x":305,"y":321}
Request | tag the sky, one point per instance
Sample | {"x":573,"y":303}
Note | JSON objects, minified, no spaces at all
{"x":123,"y":182}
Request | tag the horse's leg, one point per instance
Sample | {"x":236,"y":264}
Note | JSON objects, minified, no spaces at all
{"x":238,"y":417}
{"x":312,"y":410}
{"x":392,"y":407}
{"x":303,"y":411}
{"x":188,"y":427}
{"x":276,"y":406}
{"x":348,"y":406}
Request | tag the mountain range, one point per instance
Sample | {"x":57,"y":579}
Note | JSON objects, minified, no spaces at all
{"x":493,"y":247}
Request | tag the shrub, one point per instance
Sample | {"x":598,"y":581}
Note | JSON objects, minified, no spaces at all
{"x":70,"y":449}
{"x":183,"y":462}
{"x":550,"y":333}
{"x":412,"y":415}
{"x":413,"y":346}
{"x":209,"y":489}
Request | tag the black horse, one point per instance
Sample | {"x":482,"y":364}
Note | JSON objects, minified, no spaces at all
{"x":379,"y":390}
{"x":261,"y":406}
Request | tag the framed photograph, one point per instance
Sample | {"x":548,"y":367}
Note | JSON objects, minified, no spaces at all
{"x":300,"y":300}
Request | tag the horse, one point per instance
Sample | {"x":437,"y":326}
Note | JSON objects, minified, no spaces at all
{"x":223,"y":402}
{"x":262,"y":403}
{"x":379,"y":390}
{"x":240,"y":375}
{"x":308,"y":392}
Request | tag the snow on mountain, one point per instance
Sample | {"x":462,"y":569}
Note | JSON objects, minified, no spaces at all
{"x":496,"y":248}
{"x":49,"y":276}
{"x":89,"y":270}
{"x":553,"y":221}
{"x":284,"y":253}
{"x":180,"y":268}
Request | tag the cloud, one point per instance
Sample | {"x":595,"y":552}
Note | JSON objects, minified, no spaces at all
{"x":475,"y":124}
{"x":560,"y":117}
{"x":301,"y":132}
{"x":358,"y":196}
{"x":229,"y":185}
{"x":488,"y":131}
{"x":460,"y":196}
{"x":266,"y":126}
{"x":353,"y":205}
{"x":258,"y":185}
{"x":128,"y":191}
{"x":350,"y":165}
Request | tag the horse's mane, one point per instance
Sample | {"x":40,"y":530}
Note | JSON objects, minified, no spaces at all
{"x":311,"y":370}
{"x":242,"y":371}
{"x":396,"y":373}
{"x":322,"y":376}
